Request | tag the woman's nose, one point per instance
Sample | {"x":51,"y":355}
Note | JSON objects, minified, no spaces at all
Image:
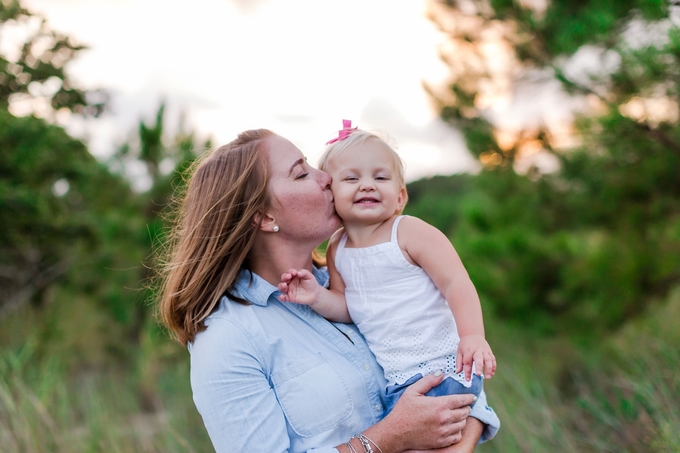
{"x":324,"y":179}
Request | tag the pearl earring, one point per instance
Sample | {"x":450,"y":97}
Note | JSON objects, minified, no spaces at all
{"x":276,"y":228}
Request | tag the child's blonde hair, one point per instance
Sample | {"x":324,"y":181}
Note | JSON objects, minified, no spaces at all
{"x":357,"y":137}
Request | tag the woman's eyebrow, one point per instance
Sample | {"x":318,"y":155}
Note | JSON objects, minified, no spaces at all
{"x":300,"y":161}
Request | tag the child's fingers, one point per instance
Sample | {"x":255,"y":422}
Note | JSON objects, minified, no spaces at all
{"x":478,"y":358}
{"x":283,"y":287}
{"x":489,"y":365}
{"x":467,"y":367}
{"x":459,"y":362}
{"x":467,"y":364}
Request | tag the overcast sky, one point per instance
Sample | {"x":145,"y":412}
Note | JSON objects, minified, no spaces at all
{"x":297,"y":67}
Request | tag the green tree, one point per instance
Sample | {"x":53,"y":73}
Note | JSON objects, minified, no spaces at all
{"x":35,"y":70}
{"x":166,"y":154}
{"x":597,"y":240}
{"x":56,"y":201}
{"x":55,"y":198}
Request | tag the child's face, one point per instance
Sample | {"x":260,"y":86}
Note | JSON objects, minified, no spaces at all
{"x":366,"y":185}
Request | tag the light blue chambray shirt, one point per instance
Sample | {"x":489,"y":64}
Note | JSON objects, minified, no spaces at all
{"x":277,"y":377}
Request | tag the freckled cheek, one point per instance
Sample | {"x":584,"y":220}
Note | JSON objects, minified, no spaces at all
{"x":305,"y":208}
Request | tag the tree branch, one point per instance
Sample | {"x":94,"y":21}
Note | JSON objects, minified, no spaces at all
{"x":38,"y":283}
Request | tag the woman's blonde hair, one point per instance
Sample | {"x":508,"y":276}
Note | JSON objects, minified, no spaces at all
{"x":214,"y":231}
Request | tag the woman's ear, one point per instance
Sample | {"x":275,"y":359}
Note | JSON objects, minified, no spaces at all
{"x":265,"y":221}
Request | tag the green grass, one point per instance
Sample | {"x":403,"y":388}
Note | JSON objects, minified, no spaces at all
{"x":552,"y":395}
{"x":45,"y":408}
{"x":621,"y":395}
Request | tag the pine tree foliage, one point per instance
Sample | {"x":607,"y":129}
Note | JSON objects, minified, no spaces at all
{"x":598,"y":239}
{"x":33,"y":70}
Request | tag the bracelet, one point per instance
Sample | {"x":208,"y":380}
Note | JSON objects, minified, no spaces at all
{"x":350,"y":447}
{"x":365,"y":442}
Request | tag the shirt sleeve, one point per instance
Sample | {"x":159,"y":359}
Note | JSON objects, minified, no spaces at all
{"x":232,"y":392}
{"x":482,"y":412}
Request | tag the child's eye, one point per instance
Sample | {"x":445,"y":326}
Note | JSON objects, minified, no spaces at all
{"x":382,"y":178}
{"x":350,"y":178}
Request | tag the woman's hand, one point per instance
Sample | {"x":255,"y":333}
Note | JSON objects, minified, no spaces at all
{"x":420,"y":422}
{"x":471,"y":434}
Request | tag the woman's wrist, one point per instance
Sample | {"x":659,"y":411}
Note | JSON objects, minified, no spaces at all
{"x":362,"y":443}
{"x":366,"y":445}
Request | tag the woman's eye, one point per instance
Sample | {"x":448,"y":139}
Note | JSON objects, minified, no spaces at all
{"x":302,"y":176}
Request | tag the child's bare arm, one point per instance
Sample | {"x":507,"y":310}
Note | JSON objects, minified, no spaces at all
{"x":430,"y":249}
{"x":301,"y":287}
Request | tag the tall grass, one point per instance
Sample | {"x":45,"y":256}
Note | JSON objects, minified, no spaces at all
{"x":619,"y":395}
{"x":45,"y":408}
{"x":71,"y":381}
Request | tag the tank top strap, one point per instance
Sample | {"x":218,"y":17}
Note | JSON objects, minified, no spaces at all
{"x":394,"y":228}
{"x":343,"y":241}
{"x":340,"y":249}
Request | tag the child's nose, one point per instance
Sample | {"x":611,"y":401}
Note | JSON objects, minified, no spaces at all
{"x":367,"y":185}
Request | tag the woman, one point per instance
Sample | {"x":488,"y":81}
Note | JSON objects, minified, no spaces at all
{"x":269,"y":376}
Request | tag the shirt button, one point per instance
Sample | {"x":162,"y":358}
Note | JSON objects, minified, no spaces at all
{"x":377,"y":407}
{"x":366,"y":367}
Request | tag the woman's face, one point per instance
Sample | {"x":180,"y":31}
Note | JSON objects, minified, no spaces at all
{"x":302,"y":201}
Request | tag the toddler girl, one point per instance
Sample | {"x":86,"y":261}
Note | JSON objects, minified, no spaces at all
{"x":396,"y":277}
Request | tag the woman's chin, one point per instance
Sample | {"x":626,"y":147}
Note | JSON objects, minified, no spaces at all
{"x":336,"y":221}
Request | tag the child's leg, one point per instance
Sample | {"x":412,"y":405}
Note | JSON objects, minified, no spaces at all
{"x":448,"y":386}
{"x":393,"y":392}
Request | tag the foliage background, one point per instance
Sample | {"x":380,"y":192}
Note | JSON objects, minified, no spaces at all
{"x":577,"y":263}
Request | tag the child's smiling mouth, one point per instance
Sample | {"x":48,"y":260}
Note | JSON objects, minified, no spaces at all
{"x":366,"y":200}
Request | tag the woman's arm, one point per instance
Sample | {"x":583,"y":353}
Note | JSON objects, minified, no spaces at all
{"x":241,"y":411}
{"x":232,"y":392}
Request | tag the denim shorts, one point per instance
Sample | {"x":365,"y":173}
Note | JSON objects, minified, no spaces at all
{"x":448,"y":386}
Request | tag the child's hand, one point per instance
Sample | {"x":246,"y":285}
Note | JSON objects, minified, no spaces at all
{"x":299,"y":286}
{"x":474,"y":348}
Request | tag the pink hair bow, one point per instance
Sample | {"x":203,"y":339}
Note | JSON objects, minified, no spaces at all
{"x":344,"y":133}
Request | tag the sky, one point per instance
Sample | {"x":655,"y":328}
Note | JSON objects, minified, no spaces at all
{"x":297,"y":67}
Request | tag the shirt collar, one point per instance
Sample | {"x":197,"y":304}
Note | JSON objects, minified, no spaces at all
{"x":256,"y":290}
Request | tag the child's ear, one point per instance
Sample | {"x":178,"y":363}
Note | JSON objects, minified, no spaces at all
{"x":265,"y":222}
{"x":401,"y":199}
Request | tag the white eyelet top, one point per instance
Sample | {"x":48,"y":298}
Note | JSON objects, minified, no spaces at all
{"x":397,"y":307}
